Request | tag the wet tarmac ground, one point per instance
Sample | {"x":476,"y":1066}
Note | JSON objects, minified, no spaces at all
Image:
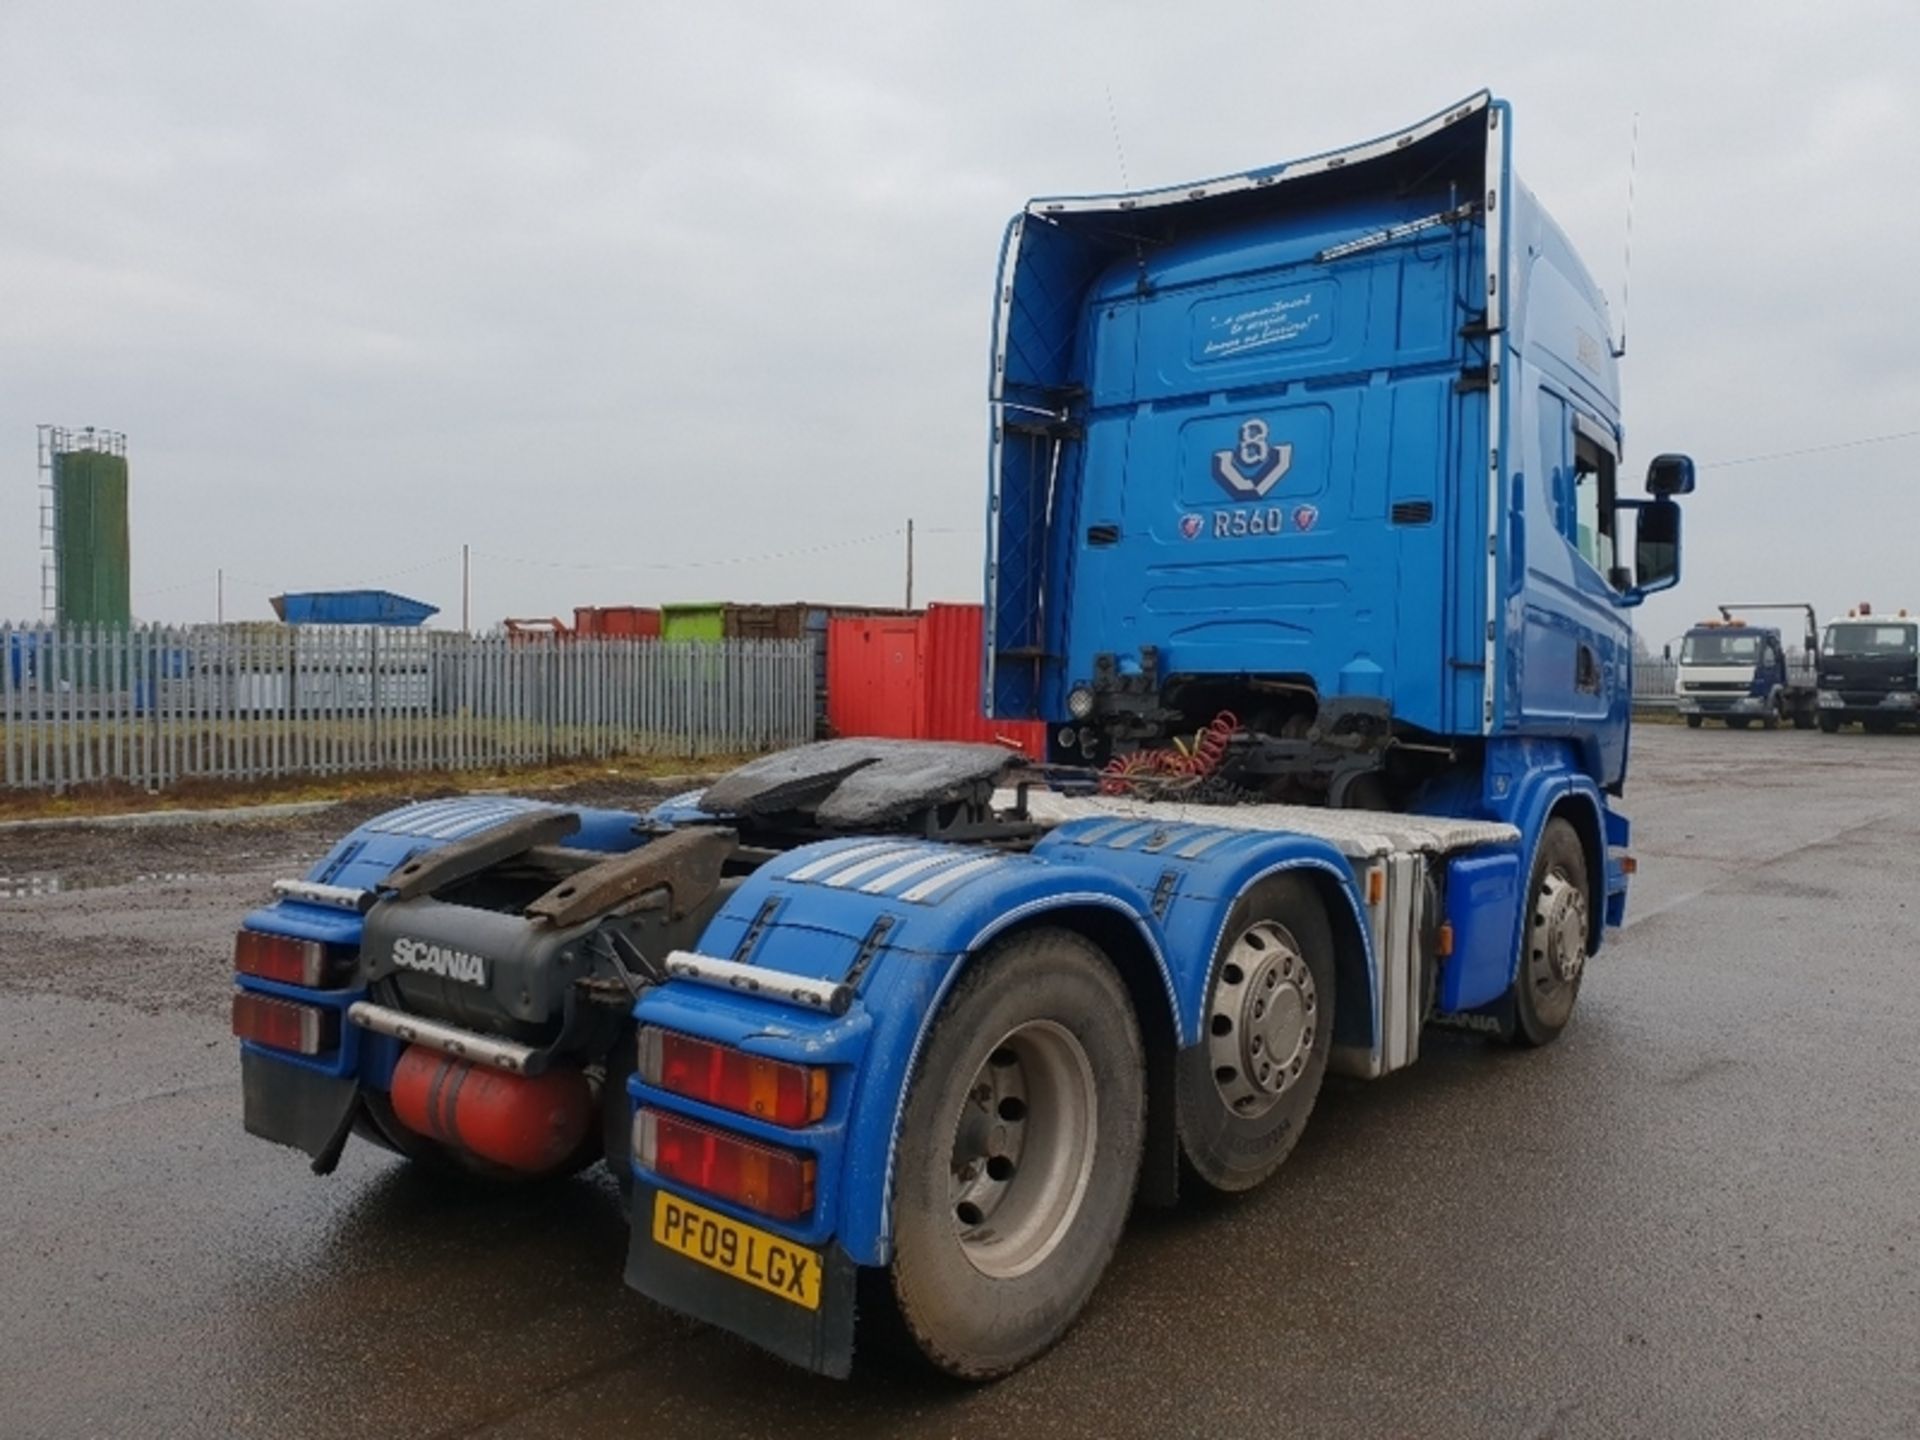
{"x":1697,"y":1215}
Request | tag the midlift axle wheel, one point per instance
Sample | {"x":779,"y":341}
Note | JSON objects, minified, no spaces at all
{"x":1246,"y":1090}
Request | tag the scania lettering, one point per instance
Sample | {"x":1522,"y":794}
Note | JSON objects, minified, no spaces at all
{"x":1307,"y":535}
{"x":436,"y":960}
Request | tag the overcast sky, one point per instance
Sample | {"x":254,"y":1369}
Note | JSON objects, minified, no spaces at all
{"x":653,"y":302}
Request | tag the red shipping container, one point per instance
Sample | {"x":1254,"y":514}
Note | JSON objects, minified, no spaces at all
{"x":873,"y":675}
{"x":950,"y":672}
{"x":590,"y":621}
{"x":917,"y":679}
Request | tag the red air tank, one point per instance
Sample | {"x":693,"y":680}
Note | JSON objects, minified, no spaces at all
{"x":529,"y":1123}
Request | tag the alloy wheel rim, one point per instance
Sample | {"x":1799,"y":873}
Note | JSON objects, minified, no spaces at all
{"x":1023,"y":1149}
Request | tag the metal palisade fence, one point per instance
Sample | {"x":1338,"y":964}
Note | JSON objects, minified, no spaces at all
{"x":1653,"y":683}
{"x":155,"y":705}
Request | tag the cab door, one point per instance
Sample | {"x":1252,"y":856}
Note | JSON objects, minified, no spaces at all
{"x":1575,"y":654}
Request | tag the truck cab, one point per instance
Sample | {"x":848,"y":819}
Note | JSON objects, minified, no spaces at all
{"x":1731,"y":671}
{"x":1868,"y":671}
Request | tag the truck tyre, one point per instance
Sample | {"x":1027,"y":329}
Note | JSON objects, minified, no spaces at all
{"x":1772,"y":720}
{"x":1553,"y":940}
{"x":1877,"y":725}
{"x":1018,"y":1154}
{"x":1246,"y":1090}
{"x":1739,"y":722}
{"x":1829,"y":724}
{"x":1694,"y":722}
{"x":1802,"y":718}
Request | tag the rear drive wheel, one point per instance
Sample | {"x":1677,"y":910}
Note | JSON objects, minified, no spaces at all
{"x":1246,"y":1090}
{"x":1877,"y":725}
{"x":1739,"y":722}
{"x":1694,"y":722}
{"x":1018,"y":1154}
{"x":1829,"y":724}
{"x":1802,"y":718}
{"x":1553,"y":948}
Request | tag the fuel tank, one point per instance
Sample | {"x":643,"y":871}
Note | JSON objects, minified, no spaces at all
{"x":532,"y":1124}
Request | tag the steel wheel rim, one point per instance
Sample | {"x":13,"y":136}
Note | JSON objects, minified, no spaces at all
{"x":1556,"y":943}
{"x":1262,"y":1018}
{"x":1023,"y":1149}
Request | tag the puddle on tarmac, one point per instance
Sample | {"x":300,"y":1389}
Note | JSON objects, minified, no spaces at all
{"x":21,"y":887}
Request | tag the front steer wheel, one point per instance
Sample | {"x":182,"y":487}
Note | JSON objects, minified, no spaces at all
{"x":1554,"y":938}
{"x":1018,"y":1154}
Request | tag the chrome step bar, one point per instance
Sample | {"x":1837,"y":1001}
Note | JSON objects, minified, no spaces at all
{"x":832,"y":997}
{"x":494,"y":1053}
{"x":335,"y":897}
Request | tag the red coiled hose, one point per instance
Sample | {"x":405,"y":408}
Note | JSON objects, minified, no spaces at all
{"x":1178,"y":761}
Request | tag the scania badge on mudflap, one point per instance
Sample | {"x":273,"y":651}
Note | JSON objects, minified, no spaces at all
{"x":442,"y":960}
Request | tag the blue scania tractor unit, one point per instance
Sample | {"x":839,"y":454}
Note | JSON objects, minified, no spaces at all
{"x":1306,"y":538}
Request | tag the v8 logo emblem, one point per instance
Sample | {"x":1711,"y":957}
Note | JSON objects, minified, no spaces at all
{"x":1250,"y":469}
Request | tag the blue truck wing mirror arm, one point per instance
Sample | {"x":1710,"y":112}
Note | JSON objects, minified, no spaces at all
{"x":1656,"y":530}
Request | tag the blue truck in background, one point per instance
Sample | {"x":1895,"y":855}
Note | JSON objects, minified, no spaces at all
{"x":1307,"y":538}
{"x":1740,"y":673}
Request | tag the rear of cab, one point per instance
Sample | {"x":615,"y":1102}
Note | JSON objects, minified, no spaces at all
{"x":1264,"y":407}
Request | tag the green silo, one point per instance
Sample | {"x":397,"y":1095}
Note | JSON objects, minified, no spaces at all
{"x":91,"y":549}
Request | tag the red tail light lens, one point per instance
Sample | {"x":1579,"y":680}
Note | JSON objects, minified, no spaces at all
{"x":290,"y":961}
{"x":772,"y":1090}
{"x":773,"y":1182}
{"x":283,"y":1025}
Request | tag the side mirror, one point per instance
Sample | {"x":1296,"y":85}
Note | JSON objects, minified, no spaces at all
{"x":1666,"y":652}
{"x":1656,"y":545}
{"x":1669,"y":475}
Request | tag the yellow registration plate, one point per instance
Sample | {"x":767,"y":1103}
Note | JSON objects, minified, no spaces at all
{"x":724,"y":1244}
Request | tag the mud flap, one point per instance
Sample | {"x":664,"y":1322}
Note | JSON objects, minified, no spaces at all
{"x":294,"y":1106}
{"x":819,"y":1340}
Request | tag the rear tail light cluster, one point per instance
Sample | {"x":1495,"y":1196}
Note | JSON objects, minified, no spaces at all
{"x":773,"y":1182}
{"x":285,"y":1025}
{"x":290,"y":961}
{"x":776,"y":1091}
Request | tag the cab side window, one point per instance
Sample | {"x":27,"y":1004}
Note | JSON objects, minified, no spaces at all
{"x":1593,"y":488}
